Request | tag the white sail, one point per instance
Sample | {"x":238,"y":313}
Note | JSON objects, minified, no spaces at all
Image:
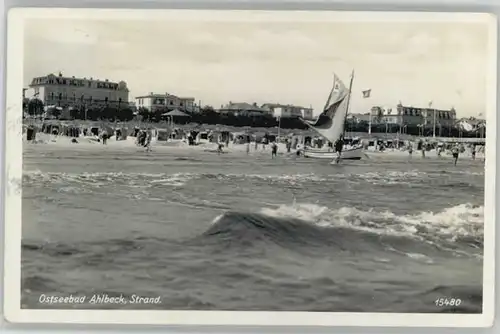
{"x":330,"y":124}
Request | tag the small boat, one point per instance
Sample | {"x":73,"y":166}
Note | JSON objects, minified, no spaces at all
{"x":331,"y":124}
{"x":352,"y":153}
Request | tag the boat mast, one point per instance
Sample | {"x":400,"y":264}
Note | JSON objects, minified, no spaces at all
{"x":327,"y":104}
{"x":348,"y":101}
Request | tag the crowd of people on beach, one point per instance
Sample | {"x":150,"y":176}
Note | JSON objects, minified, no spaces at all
{"x":292,"y":144}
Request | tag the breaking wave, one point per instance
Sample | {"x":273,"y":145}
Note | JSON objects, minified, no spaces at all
{"x":457,"y":229}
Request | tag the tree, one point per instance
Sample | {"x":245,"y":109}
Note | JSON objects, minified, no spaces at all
{"x":56,"y":112}
{"x":126,"y":114}
{"x":25,"y":103}
{"x":144,"y":113}
{"x":207,"y":110}
{"x":35,"y":107}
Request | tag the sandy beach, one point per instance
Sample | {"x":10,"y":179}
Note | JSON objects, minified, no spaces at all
{"x":179,"y":146}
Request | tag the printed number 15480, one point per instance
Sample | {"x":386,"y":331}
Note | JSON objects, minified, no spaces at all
{"x":440,"y":302}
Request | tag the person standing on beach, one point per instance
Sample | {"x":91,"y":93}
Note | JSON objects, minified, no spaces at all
{"x":339,"y":145}
{"x":149,"y":136}
{"x":473,"y":152}
{"x":274,"y":150}
{"x":104,"y":137}
{"x":219,"y":147}
{"x":248,"y":140}
{"x":410,"y":149}
{"x":455,"y":152}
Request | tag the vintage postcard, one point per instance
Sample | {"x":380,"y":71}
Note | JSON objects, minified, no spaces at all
{"x":250,"y":167}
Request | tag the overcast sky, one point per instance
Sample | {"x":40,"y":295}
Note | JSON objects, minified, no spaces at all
{"x":285,"y":62}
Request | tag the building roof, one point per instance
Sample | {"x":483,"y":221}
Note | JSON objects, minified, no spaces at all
{"x":37,"y":81}
{"x":279,"y":105}
{"x":60,"y":75}
{"x":157,"y":95}
{"x":235,"y":106}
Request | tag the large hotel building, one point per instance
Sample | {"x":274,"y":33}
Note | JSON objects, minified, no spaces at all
{"x":65,"y":91}
{"x":407,"y":115}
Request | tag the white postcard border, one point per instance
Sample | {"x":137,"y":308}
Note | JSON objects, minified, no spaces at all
{"x":13,"y":181}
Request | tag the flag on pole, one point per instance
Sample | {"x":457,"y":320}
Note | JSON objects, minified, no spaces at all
{"x":366,"y":93}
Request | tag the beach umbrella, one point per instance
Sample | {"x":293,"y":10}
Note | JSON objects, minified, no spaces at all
{"x":175,"y":113}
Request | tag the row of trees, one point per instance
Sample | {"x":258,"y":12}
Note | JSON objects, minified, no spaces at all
{"x":35,"y":107}
{"x":208,"y":115}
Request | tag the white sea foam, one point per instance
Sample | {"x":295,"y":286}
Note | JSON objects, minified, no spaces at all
{"x":179,"y":179}
{"x":464,"y":220}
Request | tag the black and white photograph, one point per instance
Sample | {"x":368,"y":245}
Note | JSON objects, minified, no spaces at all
{"x":318,"y":163}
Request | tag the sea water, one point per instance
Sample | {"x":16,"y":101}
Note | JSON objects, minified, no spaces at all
{"x":203,"y":231}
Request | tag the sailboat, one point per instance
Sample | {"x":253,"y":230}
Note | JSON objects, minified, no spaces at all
{"x":331,"y":123}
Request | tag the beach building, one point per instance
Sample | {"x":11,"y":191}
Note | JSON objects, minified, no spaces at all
{"x":243,"y":109}
{"x":63,"y":91}
{"x":166,"y":101}
{"x":358,"y":118}
{"x":409,"y":115}
{"x":289,"y":111}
